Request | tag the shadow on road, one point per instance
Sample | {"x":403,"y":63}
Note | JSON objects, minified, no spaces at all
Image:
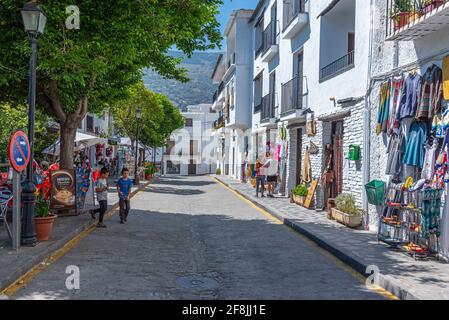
{"x":182,"y":183}
{"x":174,"y":191}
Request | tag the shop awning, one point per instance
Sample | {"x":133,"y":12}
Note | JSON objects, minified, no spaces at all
{"x":82,"y":140}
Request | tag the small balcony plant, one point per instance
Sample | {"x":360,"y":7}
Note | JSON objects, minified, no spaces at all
{"x":403,"y":12}
{"x":429,"y":5}
{"x":346,"y":211}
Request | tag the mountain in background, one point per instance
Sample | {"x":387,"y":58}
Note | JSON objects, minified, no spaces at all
{"x":198,"y":90}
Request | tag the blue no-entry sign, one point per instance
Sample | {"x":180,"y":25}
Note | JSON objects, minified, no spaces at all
{"x":19,"y":151}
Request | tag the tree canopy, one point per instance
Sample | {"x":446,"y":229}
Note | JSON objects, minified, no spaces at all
{"x":159,"y":117}
{"x":90,"y":68}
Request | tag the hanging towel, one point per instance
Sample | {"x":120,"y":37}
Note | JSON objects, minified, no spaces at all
{"x":384,"y":103}
{"x":446,"y":78}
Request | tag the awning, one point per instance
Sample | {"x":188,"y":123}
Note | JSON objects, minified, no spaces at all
{"x":328,"y":8}
{"x":82,"y":140}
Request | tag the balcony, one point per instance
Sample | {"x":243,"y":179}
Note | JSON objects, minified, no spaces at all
{"x":230,"y":66}
{"x":218,"y":124}
{"x":267,"y":112}
{"x":258,"y":107}
{"x":293,"y":97}
{"x":270,"y":46}
{"x":337,"y":67}
{"x":414,"y":19}
{"x":295,"y":19}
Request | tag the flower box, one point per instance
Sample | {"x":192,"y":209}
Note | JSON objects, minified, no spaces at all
{"x":349,"y":220}
{"x":430,"y":6}
{"x":299,"y":200}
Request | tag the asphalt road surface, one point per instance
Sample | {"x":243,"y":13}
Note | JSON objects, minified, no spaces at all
{"x":191,"y":238}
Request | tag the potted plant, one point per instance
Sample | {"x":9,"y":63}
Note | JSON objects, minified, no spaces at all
{"x":299,"y":194}
{"x":403,"y":12}
{"x":150,"y":170}
{"x":428,"y":5}
{"x":43,"y":219}
{"x":346,"y":211}
{"x":218,"y":172}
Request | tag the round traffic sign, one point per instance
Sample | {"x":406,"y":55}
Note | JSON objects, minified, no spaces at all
{"x":19,"y":151}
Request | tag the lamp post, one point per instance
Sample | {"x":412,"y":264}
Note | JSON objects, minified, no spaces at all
{"x":34,"y":21}
{"x":138,"y":117}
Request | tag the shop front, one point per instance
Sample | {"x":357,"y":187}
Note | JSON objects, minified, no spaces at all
{"x":411,"y":197}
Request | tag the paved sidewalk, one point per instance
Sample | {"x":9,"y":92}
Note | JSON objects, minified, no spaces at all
{"x":14,"y":264}
{"x":399,"y":274}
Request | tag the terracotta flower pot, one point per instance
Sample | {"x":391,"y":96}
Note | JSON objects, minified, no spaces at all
{"x":148,"y":177}
{"x":401,"y":19}
{"x":44,"y":226}
{"x":429,"y":7}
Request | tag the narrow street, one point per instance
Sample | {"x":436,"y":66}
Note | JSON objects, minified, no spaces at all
{"x":191,"y":238}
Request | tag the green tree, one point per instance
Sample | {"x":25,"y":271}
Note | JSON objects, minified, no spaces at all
{"x":90,"y":68}
{"x":159,"y":117}
{"x":14,"y":118}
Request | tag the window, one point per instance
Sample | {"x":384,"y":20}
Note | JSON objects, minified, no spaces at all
{"x":90,"y":123}
{"x":259,"y":37}
{"x":258,"y":89}
{"x":189,"y":122}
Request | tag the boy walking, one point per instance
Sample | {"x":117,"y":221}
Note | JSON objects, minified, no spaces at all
{"x":124,"y":186}
{"x":102,"y":188}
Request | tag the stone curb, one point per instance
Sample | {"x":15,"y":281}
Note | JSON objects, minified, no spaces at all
{"x":39,"y":258}
{"x":385,"y":282}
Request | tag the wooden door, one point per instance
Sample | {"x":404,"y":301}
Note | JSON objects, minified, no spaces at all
{"x":337,"y":158}
{"x":192,"y":168}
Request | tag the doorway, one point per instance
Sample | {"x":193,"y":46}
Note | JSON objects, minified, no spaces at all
{"x":337,"y":158}
{"x":192,"y":168}
{"x":298,"y":156}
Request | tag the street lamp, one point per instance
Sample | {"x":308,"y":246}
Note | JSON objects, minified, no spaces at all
{"x":34,"y":21}
{"x":138,"y":117}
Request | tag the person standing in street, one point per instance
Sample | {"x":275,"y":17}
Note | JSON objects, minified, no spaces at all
{"x":102,"y":188}
{"x":272,"y":173}
{"x":260,"y":177}
{"x":124,"y":186}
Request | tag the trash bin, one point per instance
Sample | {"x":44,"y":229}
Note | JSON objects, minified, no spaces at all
{"x":375,"y":191}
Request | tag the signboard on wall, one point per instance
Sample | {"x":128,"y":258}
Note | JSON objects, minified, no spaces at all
{"x":63,"y":190}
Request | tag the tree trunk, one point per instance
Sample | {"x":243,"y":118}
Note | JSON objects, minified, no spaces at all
{"x":67,"y":137}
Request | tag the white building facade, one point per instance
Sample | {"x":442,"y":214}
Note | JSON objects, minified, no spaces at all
{"x":192,"y":149}
{"x":232,"y":101}
{"x":311,"y":64}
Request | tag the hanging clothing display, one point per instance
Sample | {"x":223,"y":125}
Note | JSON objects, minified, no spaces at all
{"x":446,"y":78}
{"x":431,"y":93}
{"x":409,"y":96}
{"x":414,"y":151}
{"x":412,"y":217}
{"x":384,"y":105}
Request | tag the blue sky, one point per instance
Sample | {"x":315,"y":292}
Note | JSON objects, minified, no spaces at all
{"x":230,"y":5}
